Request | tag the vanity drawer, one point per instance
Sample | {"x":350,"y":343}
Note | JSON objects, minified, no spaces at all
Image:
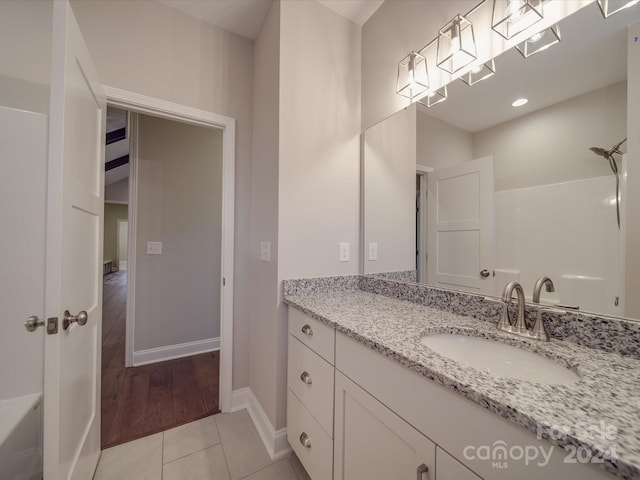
{"x":316,"y":335}
{"x":317,"y":457}
{"x":316,"y":393}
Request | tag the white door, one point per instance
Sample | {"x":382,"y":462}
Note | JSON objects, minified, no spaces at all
{"x":461,"y":227}
{"x":73,"y":255}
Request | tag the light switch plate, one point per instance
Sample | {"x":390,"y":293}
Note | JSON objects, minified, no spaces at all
{"x":373,"y":251}
{"x":344,"y":252}
{"x":265,"y":251}
{"x":154,"y":248}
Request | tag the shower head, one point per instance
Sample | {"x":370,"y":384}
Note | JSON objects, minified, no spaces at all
{"x":607,"y":153}
{"x":599,"y":151}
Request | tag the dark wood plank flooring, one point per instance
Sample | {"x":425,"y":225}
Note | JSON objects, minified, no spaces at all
{"x":140,"y":401}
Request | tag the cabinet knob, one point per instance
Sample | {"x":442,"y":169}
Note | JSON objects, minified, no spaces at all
{"x":305,"y":440}
{"x":307,"y":331}
{"x":421,"y":470}
{"x":306,"y":378}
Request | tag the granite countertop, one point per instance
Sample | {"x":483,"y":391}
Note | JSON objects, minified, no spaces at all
{"x":607,"y":394}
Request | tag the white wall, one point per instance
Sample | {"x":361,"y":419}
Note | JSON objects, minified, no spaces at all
{"x":117,"y":192}
{"x":25,"y":50}
{"x":179,"y":204}
{"x":264,"y":213}
{"x":319,"y":164}
{"x":23,"y":187}
{"x":149,"y":48}
{"x":390,"y":192}
{"x":632,"y":205}
{"x":440,"y":144}
{"x":551,"y":145}
{"x":401,"y":26}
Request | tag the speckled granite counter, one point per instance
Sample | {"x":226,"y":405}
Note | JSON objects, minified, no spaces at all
{"x":608,"y":390}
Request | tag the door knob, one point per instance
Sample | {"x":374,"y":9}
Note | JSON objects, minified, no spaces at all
{"x":68,"y":319}
{"x":305,"y":440}
{"x":485,"y":273}
{"x":32,"y":323}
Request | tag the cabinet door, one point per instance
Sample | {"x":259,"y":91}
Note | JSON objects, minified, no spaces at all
{"x":371,"y":442}
{"x":448,"y":468}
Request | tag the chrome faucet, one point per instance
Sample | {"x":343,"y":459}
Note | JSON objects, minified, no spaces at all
{"x":519,"y":327}
{"x":539,"y":331}
{"x":546,"y":281}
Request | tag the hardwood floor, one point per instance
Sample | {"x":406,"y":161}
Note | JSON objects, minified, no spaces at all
{"x":139,"y":401}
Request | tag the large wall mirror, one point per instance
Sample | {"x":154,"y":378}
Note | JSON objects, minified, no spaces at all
{"x":474,"y":192}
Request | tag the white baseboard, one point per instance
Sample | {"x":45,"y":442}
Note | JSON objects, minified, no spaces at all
{"x":275,"y":441}
{"x":160,"y":354}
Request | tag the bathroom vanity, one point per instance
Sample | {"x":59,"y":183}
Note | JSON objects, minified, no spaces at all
{"x":367,"y":399}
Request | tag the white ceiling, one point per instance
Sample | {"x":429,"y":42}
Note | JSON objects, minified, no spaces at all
{"x":245,"y":17}
{"x":591,"y":55}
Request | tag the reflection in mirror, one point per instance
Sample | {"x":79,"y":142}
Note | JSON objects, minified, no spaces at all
{"x":474,"y":193}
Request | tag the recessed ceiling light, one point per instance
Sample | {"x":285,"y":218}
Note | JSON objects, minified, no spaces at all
{"x":519,"y":102}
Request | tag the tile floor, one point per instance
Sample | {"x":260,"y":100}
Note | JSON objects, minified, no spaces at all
{"x":221,"y":447}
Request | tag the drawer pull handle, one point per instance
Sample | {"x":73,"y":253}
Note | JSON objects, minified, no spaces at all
{"x":306,"y":378}
{"x":307,"y":331}
{"x":422,"y":469}
{"x":305,"y":440}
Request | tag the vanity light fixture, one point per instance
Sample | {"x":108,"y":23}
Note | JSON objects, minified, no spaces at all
{"x":456,"y":45}
{"x":609,"y":7}
{"x":479,"y":72}
{"x":434,"y":97}
{"x":520,"y":102}
{"x":413,"y":78}
{"x":540,"y":41}
{"x":510,"y":17}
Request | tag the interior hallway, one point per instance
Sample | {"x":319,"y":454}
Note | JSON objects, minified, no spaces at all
{"x":141,"y":401}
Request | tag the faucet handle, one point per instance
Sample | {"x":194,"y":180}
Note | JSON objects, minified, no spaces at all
{"x":539,"y":331}
{"x":504,"y":323}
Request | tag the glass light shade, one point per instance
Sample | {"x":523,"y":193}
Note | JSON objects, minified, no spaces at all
{"x":479,"y":73}
{"x":413,"y":79}
{"x":456,"y":45}
{"x":510,"y":17}
{"x":609,"y":7}
{"x":539,"y":41}
{"x":434,"y":97}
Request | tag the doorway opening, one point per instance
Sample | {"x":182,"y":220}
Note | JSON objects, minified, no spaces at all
{"x":162,"y":292}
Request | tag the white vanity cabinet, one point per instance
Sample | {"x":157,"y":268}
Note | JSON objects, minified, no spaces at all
{"x":310,"y":380}
{"x":364,"y":416}
{"x":371,"y":442}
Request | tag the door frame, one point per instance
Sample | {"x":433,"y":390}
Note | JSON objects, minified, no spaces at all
{"x":138,"y":103}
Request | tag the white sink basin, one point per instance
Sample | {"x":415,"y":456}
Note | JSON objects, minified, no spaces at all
{"x":500,"y":359}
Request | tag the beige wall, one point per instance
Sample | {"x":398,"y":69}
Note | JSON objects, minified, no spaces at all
{"x":319,"y":165}
{"x":112,"y":213}
{"x":390,"y":192}
{"x":631,"y":221}
{"x":179,"y":204}
{"x":551,"y":145}
{"x":25,"y":50}
{"x":148,"y":48}
{"x":264,"y":213}
{"x":117,"y":192}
